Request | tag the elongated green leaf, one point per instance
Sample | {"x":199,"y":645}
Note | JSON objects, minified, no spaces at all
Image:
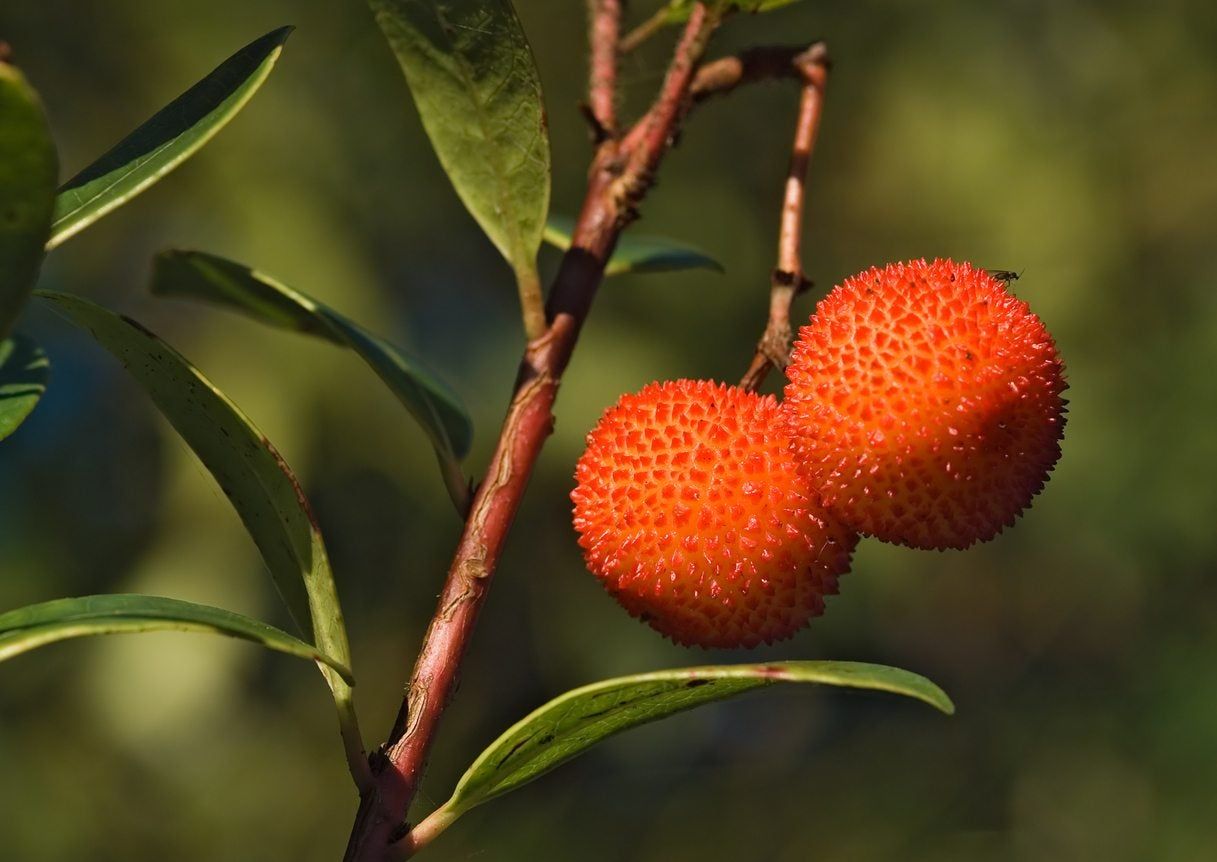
{"x":167,"y":139}
{"x":24,"y":369}
{"x":437,"y":408}
{"x":28,"y":173}
{"x":638,"y":253}
{"x":254,"y":477}
{"x":572,"y":723}
{"x":678,"y":10}
{"x":475,"y":82}
{"x":37,"y":625}
{"x":250,"y":472}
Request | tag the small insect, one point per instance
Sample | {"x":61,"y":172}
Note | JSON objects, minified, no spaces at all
{"x":1004,"y":275}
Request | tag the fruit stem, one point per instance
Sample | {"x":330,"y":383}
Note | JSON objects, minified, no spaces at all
{"x":620,"y":176}
{"x":787,"y":280}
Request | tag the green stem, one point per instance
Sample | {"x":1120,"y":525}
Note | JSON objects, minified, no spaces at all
{"x":348,"y":727}
{"x":425,"y":832}
{"x":532,"y":303}
{"x":456,"y":484}
{"x":644,"y":31}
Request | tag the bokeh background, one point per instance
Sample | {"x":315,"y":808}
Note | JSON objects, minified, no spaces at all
{"x":1072,"y":141}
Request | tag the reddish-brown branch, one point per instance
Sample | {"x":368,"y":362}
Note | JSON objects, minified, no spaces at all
{"x":766,"y":62}
{"x":619,"y":176}
{"x":653,"y":134}
{"x":605,"y":18}
{"x":773,"y":350}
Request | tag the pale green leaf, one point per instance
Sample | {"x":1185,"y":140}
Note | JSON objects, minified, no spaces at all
{"x":28,"y":173}
{"x":475,"y":82}
{"x":638,"y":253}
{"x":24,"y":369}
{"x":37,"y":625}
{"x":433,"y":404}
{"x":572,"y":723}
{"x":167,"y":139}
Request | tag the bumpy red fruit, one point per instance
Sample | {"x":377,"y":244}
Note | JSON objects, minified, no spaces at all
{"x":925,"y":403}
{"x":692,"y":513}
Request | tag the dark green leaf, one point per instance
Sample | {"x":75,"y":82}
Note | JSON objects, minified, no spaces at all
{"x":636,"y":253}
{"x":37,"y":625}
{"x":24,"y":369}
{"x":436,"y":407}
{"x":475,"y":83}
{"x":28,"y":173}
{"x":678,"y":10}
{"x":167,"y":139}
{"x":572,"y":723}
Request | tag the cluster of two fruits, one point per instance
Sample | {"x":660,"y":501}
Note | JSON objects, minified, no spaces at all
{"x":923,"y":408}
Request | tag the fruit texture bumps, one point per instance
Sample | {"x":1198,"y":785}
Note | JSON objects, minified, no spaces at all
{"x":691,"y":512}
{"x":925,"y":403}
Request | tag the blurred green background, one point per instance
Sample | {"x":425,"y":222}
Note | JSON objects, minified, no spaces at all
{"x":1073,"y":141}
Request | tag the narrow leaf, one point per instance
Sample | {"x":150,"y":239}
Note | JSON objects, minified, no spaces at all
{"x":572,"y":723}
{"x":678,"y":10}
{"x":475,"y":83}
{"x":28,"y":173}
{"x":24,"y":369}
{"x":37,"y":625}
{"x":253,"y":476}
{"x":429,"y":400}
{"x":638,"y":253}
{"x":167,"y":139}
{"x":196,"y":275}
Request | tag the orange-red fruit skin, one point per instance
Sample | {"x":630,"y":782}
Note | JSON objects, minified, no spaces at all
{"x":925,"y":403}
{"x":691,"y":512}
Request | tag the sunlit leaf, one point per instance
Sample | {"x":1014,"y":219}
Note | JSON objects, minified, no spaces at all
{"x":37,"y":625}
{"x":28,"y":173}
{"x":572,"y":723}
{"x":167,"y":139}
{"x":638,"y":253}
{"x":475,"y":82}
{"x":24,"y":369}
{"x":250,"y":472}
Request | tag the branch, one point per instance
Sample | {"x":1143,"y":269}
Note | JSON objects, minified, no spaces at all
{"x":767,"y":62}
{"x":655,"y":133}
{"x":379,"y":826}
{"x":605,"y":18}
{"x":787,"y":281}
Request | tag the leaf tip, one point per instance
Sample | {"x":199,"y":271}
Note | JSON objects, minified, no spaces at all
{"x":280,"y":34}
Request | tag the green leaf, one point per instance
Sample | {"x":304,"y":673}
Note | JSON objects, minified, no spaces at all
{"x":167,"y":139}
{"x":638,"y":253}
{"x":475,"y":82}
{"x":678,"y":10}
{"x":572,"y":723}
{"x":28,"y":173}
{"x":24,"y":369}
{"x":250,"y":472}
{"x":37,"y":625}
{"x":429,"y":400}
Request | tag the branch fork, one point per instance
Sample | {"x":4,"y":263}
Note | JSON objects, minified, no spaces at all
{"x":622,"y":171}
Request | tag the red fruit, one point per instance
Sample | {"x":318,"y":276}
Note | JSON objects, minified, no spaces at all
{"x":692,"y":513}
{"x":925,"y":402}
